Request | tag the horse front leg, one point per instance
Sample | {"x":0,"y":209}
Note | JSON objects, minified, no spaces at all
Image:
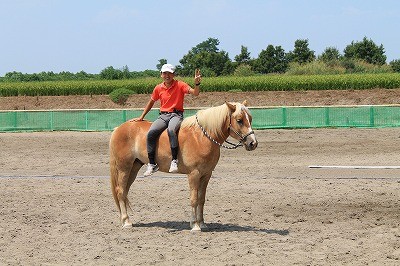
{"x":194,"y":185}
{"x":202,"y":199}
{"x":198,"y":186}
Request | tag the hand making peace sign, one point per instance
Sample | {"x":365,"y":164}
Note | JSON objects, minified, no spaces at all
{"x":197,"y":77}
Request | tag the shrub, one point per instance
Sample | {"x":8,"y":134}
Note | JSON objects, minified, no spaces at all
{"x":243,"y":70}
{"x":361,"y":66}
{"x":120,"y":95}
{"x":314,"y":68}
{"x":207,"y":72}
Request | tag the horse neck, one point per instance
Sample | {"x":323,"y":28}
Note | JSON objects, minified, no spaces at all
{"x":223,"y":133}
{"x":214,"y":122}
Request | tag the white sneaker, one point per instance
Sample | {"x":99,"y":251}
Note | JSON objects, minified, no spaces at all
{"x":151,"y":168}
{"x":174,"y":166}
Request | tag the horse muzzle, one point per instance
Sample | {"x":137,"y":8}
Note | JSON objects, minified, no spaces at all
{"x":250,"y":143}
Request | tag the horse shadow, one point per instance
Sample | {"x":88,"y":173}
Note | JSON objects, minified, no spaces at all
{"x":174,"y":226}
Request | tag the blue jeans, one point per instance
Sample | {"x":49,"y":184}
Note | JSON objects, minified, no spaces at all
{"x":169,"y":121}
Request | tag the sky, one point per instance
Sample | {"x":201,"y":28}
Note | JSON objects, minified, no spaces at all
{"x":90,"y":35}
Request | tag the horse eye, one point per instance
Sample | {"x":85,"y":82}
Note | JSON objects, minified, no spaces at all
{"x":240,"y":121}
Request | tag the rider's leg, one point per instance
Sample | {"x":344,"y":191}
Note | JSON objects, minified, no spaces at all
{"x":173,"y":127}
{"x":155,"y":130}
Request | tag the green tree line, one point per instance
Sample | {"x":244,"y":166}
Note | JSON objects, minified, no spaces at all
{"x":358,"y":57}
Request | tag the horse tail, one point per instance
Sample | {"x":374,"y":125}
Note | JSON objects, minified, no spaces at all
{"x":114,"y":175}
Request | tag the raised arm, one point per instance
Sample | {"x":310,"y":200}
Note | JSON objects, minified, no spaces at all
{"x":197,"y":82}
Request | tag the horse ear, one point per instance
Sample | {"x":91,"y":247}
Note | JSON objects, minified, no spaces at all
{"x":231,"y":106}
{"x":245,"y":103}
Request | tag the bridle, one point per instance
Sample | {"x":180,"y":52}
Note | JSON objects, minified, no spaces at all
{"x":233,"y":146}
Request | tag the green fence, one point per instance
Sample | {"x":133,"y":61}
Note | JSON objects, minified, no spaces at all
{"x":263,"y":118}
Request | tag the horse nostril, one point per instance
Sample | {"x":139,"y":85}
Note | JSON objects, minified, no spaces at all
{"x":253,"y":144}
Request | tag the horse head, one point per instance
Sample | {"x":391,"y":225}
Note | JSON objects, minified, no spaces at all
{"x":240,"y":125}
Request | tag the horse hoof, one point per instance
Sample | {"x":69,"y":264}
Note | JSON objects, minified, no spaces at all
{"x":203,"y":227}
{"x":127,"y":225}
{"x":196,"y":228}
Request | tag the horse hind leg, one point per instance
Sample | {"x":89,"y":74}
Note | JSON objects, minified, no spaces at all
{"x":122,"y":198}
{"x":117,"y":186}
{"x":126,"y":178}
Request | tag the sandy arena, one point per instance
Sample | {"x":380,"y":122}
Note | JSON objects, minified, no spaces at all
{"x":265,"y":207}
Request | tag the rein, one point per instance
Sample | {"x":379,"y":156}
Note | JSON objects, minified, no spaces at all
{"x":234,"y":146}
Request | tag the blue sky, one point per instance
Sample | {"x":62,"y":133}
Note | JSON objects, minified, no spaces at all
{"x":90,"y":35}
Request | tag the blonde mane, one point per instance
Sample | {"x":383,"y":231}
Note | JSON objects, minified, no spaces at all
{"x":211,"y":119}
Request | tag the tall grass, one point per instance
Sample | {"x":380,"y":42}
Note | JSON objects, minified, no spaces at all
{"x":302,"y":82}
{"x":51,"y":88}
{"x":230,"y":83}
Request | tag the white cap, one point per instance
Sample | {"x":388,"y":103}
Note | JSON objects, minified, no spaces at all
{"x":168,"y":68}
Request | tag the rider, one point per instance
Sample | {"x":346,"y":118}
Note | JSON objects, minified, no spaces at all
{"x":171,"y":94}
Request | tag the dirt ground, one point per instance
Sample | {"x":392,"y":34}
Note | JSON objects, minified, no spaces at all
{"x":265,"y":207}
{"x":207,"y":99}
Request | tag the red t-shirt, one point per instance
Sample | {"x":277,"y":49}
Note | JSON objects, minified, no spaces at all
{"x":170,"y":99}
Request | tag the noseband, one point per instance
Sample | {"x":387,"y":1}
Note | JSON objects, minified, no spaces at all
{"x":242,"y":138}
{"x":234,"y":146}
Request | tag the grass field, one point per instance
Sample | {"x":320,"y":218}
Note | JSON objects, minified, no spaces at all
{"x":230,"y":83}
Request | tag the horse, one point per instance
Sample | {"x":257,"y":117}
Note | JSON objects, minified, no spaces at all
{"x":200,"y":138}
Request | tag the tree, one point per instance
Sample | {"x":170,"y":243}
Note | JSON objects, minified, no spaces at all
{"x":161,"y":62}
{"x":14,"y":76}
{"x":82,"y":75}
{"x":395,"y":64}
{"x":301,"y":53}
{"x":206,"y":55}
{"x":111,"y":73}
{"x":330,"y":54}
{"x":366,"y":50}
{"x":244,"y":56}
{"x":210,"y":45}
{"x":271,"y":60}
{"x":125,"y":72}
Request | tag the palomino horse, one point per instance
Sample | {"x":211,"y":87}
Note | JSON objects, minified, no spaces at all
{"x":200,"y":138}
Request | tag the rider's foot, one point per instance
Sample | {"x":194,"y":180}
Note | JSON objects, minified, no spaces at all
{"x":174,"y":166}
{"x":151,"y":168}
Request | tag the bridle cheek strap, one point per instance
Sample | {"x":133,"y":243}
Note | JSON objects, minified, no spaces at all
{"x":242,"y":138}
